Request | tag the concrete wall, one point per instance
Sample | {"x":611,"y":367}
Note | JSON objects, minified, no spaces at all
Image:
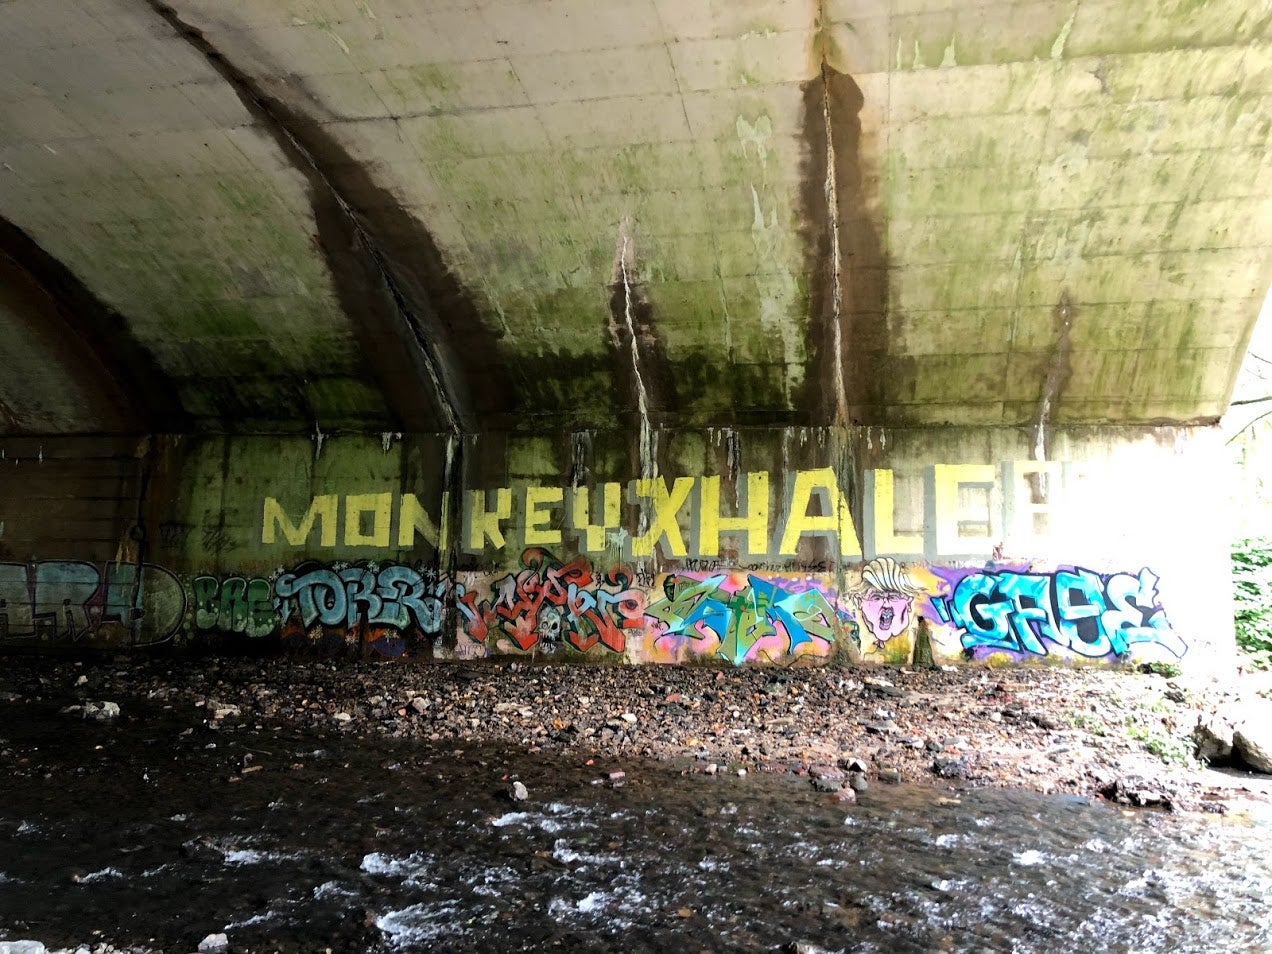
{"x":727,"y":546}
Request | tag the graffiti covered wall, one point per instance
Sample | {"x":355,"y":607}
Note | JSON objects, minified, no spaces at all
{"x":896,"y":559}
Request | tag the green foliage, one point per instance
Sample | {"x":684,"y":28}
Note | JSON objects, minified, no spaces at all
{"x":1169,"y":670}
{"x":1252,"y":581}
{"x":1163,"y":743}
{"x":1090,"y":723}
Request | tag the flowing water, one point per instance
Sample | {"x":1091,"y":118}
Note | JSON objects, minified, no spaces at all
{"x":147,"y":834}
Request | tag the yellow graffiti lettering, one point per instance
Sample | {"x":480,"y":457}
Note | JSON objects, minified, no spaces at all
{"x":753,"y":523}
{"x":412,"y":519}
{"x":664,"y":522}
{"x":483,"y":524}
{"x":322,"y":508}
{"x":537,"y":533}
{"x":1030,"y":519}
{"x":581,"y":515}
{"x":380,"y":506}
{"x":821,"y":482}
{"x":964,"y":510}
{"x":886,"y":540}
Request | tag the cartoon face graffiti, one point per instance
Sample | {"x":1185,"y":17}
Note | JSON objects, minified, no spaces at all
{"x":884,"y":600}
{"x":886,"y":613}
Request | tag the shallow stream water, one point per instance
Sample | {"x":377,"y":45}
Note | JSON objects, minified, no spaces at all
{"x":146,"y":833}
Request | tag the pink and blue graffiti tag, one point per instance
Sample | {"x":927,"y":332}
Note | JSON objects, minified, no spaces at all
{"x":1093,"y":615}
{"x":740,"y":615}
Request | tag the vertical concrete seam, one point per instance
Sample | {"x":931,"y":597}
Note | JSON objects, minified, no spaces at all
{"x":836,"y":295}
{"x":254,"y":100}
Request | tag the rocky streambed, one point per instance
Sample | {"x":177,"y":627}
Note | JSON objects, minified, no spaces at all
{"x":1129,"y":736}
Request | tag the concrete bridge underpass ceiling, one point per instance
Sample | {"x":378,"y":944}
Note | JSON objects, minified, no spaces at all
{"x":468,"y":214}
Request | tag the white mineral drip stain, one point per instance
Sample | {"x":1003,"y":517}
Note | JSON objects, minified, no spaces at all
{"x":580,"y":454}
{"x":1057,"y":48}
{"x":642,"y":396}
{"x":777,"y":289}
{"x":648,"y":466}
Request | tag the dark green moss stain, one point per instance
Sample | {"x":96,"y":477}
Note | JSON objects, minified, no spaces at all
{"x":419,"y":331}
{"x":863,"y":266}
{"x":94,"y":342}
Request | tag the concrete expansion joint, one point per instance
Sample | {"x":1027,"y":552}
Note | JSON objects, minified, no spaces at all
{"x":832,"y":208}
{"x":261,"y":106}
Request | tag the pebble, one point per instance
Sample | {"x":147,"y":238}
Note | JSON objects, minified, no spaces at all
{"x":101,"y":711}
{"x":519,"y":792}
{"x":950,"y":767}
{"x":214,"y":944}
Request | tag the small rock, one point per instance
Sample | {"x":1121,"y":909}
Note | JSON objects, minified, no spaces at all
{"x":826,"y":785}
{"x":1252,"y":736}
{"x":846,"y":796}
{"x":82,"y":681}
{"x":101,"y":711}
{"x":629,"y":718}
{"x":950,"y":768}
{"x":857,"y":781}
{"x":519,"y":792}
{"x":741,"y":773}
{"x":710,"y":769}
{"x":890,"y":775}
{"x":342,"y":717}
{"x":1253,"y":743}
{"x":21,"y":947}
{"x":214,"y":944}
{"x":419,"y":705}
{"x":1213,"y":738}
{"x":804,"y":947}
{"x":1043,"y":721}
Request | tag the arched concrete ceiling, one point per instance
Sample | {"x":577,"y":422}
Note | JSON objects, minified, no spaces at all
{"x":385,"y":214}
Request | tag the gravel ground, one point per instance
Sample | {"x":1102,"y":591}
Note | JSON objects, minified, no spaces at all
{"x":1124,"y":735}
